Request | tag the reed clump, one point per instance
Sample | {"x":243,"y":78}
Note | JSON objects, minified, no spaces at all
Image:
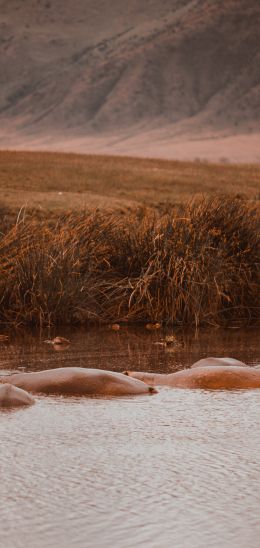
{"x":196,"y":266}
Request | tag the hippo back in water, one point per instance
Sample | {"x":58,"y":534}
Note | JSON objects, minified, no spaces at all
{"x":11,"y":396}
{"x":207,"y":374}
{"x":79,"y":381}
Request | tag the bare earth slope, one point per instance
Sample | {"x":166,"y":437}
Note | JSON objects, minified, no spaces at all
{"x":177,"y":78}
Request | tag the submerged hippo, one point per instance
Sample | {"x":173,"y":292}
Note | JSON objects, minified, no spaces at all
{"x":11,"y":396}
{"x":78,"y":381}
{"x":209,"y":373}
{"x":208,"y":362}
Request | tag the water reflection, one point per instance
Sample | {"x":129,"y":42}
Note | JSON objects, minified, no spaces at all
{"x":128,"y":349}
{"x":177,"y":469}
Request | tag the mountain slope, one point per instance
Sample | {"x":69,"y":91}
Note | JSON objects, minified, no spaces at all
{"x":85,"y":68}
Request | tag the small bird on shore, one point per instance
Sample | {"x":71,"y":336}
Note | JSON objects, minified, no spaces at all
{"x":169,"y":340}
{"x":4,"y":338}
{"x":115,"y":326}
{"x":58,"y":341}
{"x":153,"y":326}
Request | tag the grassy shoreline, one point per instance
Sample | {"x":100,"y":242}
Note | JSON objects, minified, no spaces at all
{"x":196,"y":265}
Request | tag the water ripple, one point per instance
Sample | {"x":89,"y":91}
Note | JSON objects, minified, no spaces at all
{"x":177,"y":469}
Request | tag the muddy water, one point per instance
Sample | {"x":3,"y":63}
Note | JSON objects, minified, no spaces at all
{"x":180,"y":468}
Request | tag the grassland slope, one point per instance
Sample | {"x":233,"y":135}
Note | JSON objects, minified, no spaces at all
{"x":58,"y":182}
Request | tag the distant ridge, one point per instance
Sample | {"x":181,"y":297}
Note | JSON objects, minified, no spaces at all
{"x":179,"y":71}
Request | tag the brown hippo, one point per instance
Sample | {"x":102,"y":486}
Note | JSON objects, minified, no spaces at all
{"x":208,"y":362}
{"x":11,"y":396}
{"x":78,"y":381}
{"x":208,"y":374}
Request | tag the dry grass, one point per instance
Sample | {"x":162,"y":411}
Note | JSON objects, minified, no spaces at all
{"x":58,"y":182}
{"x":200,"y":266}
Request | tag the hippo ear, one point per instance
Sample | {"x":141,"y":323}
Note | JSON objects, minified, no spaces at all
{"x":125,"y":373}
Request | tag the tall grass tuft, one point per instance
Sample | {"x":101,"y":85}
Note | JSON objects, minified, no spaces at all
{"x":196,"y":266}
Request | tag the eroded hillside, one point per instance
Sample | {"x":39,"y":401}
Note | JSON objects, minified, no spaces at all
{"x":86,"y":68}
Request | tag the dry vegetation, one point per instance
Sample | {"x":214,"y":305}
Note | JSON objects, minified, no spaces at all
{"x":58,"y":182}
{"x":198,"y":266}
{"x":122,"y":243}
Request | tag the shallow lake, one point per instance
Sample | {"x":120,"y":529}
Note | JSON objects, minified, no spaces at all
{"x":180,"y":468}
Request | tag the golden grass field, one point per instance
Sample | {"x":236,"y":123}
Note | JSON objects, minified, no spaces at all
{"x":58,"y":182}
{"x":70,"y":255}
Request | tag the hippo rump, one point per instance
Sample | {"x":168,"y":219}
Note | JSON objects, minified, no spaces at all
{"x":11,"y":396}
{"x":79,"y":381}
{"x":207,"y":374}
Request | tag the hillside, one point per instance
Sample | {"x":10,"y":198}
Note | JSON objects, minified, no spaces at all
{"x":92,"y":75}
